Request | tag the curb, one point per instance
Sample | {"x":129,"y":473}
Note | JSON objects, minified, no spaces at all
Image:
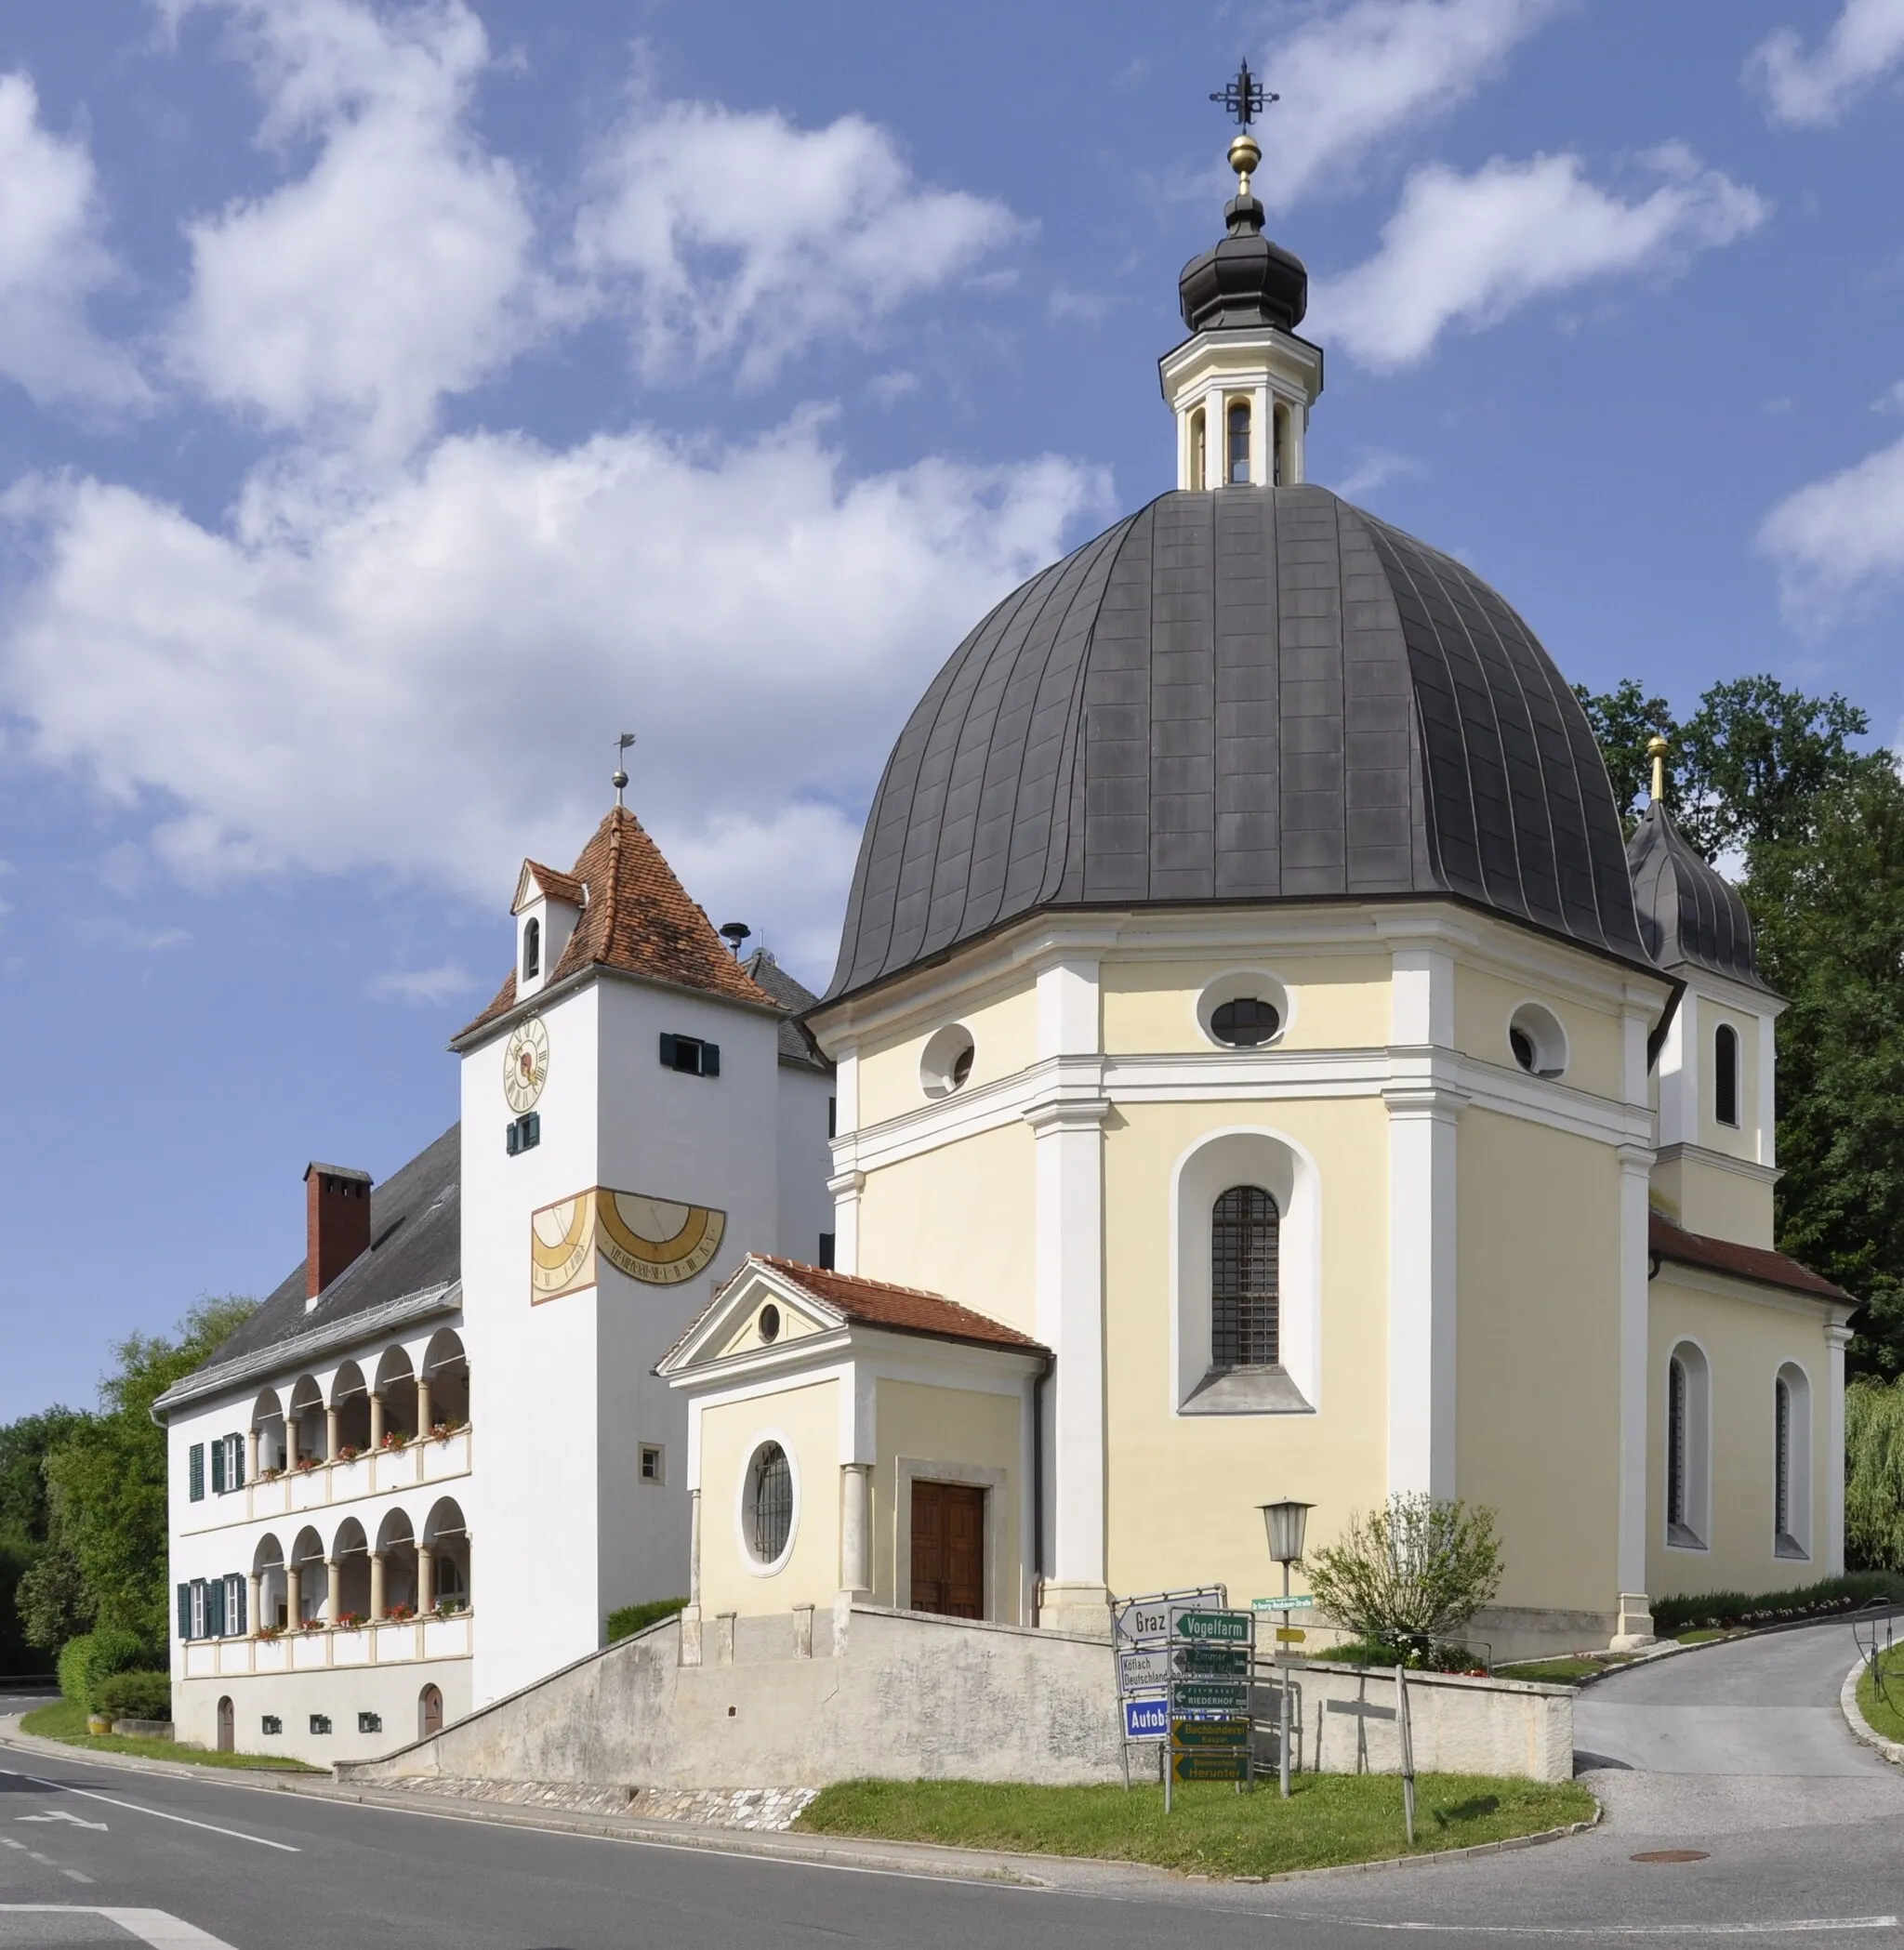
{"x":842,"y":1852}
{"x":1861,"y":1729}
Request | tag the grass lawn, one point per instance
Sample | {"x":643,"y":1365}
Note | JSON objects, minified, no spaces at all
{"x":1213,"y":1830}
{"x":65,"y":1721}
{"x":1885,"y":1716}
{"x":1553,"y":1672}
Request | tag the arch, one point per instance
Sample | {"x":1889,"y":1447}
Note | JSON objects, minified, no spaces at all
{"x":1284,"y":1172}
{"x":350,"y":1404}
{"x":1237,"y":417}
{"x":268,"y":1568}
{"x":1792,"y":1462}
{"x":350,"y":1554}
{"x":447,"y":1537}
{"x":396,"y":1385}
{"x":228,"y":1724}
{"x":1726,"y":1074}
{"x":532,"y":948}
{"x":446,"y":1367}
{"x":1245,"y":1291}
{"x":1688,"y":1471}
{"x":304,"y":1427}
{"x":268,"y":1425}
{"x":429,"y":1712}
{"x":307,"y":1561}
{"x":1199,"y":450}
{"x":396,"y":1544}
{"x":1280,"y":470}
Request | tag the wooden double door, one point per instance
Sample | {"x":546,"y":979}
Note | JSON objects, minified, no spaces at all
{"x":948,"y":1549}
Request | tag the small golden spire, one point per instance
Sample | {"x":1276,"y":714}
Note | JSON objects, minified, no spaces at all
{"x":1244,"y":157}
{"x":1656,"y":749}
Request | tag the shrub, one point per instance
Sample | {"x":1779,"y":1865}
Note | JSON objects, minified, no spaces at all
{"x":134,"y":1695}
{"x":633,"y":1618}
{"x":1419,"y":1657}
{"x":1716,"y":1610}
{"x":1874,"y":1475}
{"x":86,"y":1663}
{"x":1413,"y":1572}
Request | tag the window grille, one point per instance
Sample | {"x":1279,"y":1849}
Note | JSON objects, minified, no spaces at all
{"x":773,"y":1503}
{"x":1782,"y":1485}
{"x":1244,"y":1279}
{"x":1675,"y":1444}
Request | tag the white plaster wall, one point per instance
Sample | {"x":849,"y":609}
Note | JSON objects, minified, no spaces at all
{"x":392,"y":1691}
{"x":805,"y":1163}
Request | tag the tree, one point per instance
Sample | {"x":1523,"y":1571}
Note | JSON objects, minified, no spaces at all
{"x":25,"y":1516}
{"x":1413,"y":1570}
{"x":1874,"y":1475}
{"x":108,"y":1478}
{"x":1625,"y":721}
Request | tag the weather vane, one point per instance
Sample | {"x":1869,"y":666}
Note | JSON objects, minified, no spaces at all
{"x":621,"y":781}
{"x":1246,"y":97}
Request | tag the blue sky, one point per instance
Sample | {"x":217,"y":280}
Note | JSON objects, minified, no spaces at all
{"x":397,"y":402}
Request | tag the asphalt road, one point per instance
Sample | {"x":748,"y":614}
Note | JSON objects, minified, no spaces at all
{"x":1729,"y":1752}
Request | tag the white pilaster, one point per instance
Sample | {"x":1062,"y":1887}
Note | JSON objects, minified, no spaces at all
{"x":1836,"y":1335}
{"x":1422,"y":998}
{"x":1679,"y":1075}
{"x":1423,"y":1273}
{"x":1069,"y":1181}
{"x":855,"y":1531}
{"x":1768,"y":1090}
{"x":1635,"y":1181}
{"x":846,"y":1189}
{"x":1068,"y":1007}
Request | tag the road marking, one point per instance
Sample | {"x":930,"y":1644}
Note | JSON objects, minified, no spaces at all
{"x":75,"y":1874}
{"x":158,"y":1813}
{"x":156,"y":1927}
{"x":60,"y":1814}
{"x":46,"y":1862}
{"x":6,"y":1842}
{"x":1801,"y":1926}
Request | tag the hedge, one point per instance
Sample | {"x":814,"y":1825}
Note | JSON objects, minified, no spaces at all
{"x":136,"y":1695}
{"x":1713,"y":1610}
{"x":633,"y":1618}
{"x":92,"y":1658}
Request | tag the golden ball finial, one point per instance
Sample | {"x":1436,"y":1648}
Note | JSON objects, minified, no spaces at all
{"x":1656,"y":750}
{"x":1244,"y":157}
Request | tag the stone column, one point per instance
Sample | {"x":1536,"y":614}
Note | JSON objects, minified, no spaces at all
{"x":1836,"y":1335}
{"x":693,"y":1546}
{"x":254,"y":1597}
{"x":333,"y":1590}
{"x":426,"y":1578}
{"x":855,"y":1529}
{"x":422,"y":1405}
{"x":251,"y":1454}
{"x":294,"y":1596}
{"x":330,"y":1435}
{"x":290,"y":1439}
{"x":376,"y":1601}
{"x":376,"y":1421}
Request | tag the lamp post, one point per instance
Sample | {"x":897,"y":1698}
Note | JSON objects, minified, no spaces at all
{"x":1284,"y":1523}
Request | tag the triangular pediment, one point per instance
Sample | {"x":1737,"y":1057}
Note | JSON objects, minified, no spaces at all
{"x":737,"y":1320}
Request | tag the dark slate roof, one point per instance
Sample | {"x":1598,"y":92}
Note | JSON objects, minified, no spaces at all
{"x":1245,"y":696}
{"x":415,"y":1242}
{"x":797,"y":1045}
{"x":1245,"y":281}
{"x":1688,"y":912}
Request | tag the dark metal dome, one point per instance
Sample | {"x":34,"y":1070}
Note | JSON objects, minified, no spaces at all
{"x":1245,"y":280}
{"x":1245,"y":696}
{"x":1689,"y":911}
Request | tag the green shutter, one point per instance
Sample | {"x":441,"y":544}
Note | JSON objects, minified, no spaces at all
{"x":710,"y":1059}
{"x":214,"y":1609}
{"x":666,"y":1050}
{"x":197,"y":1472}
{"x":240,"y":1623}
{"x":185,"y":1611}
{"x":235,"y":1474}
{"x":218,"y":1467}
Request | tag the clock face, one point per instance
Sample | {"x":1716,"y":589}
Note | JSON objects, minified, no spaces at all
{"x":525,"y":1064}
{"x":658,"y":1242}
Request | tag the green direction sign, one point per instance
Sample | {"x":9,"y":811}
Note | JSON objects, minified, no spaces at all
{"x":1210,"y":1695}
{"x":1210,"y":1659}
{"x":1210,"y":1767}
{"x":1209,"y":1733}
{"x":1220,"y":1627}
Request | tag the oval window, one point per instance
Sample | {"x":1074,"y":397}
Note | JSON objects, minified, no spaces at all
{"x":945,"y":1062}
{"x":769,"y":1504}
{"x":769,"y":1324}
{"x":1537,"y":1042}
{"x":1244,"y":1022}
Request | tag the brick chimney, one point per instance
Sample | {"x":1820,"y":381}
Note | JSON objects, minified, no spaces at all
{"x":336,"y":1205}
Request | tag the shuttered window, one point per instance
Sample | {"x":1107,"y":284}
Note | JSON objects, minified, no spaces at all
{"x":214,"y":1609}
{"x":236,"y":1623}
{"x":218,"y":1467}
{"x":185,"y":1611}
{"x":195,"y":1471}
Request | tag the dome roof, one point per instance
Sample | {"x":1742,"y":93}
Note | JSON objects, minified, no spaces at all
{"x":1245,"y":696}
{"x":1688,"y":912}
{"x":1244,"y":281}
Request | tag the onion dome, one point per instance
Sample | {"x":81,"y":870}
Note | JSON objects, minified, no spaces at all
{"x":1246,"y":280}
{"x":1688,"y":912}
{"x":1238,"y":696}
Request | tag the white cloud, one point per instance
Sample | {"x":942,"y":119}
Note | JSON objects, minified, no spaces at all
{"x":737,"y":238}
{"x":1352,"y":78}
{"x":1467,"y":250}
{"x":396,"y":269}
{"x":426,"y":682}
{"x":1840,"y":537}
{"x":1376,"y":469}
{"x":429,"y":986}
{"x":1810,"y":90}
{"x":52,"y":260}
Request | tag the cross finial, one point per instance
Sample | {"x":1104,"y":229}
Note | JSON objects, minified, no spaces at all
{"x":621,"y":781}
{"x":1244,"y":98}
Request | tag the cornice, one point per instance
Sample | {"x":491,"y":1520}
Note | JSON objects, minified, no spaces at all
{"x":1766,"y":1175}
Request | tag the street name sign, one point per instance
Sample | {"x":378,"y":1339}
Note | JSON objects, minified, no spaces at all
{"x":1147,"y":1621}
{"x":1234,"y":1766}
{"x":1147,"y":1719}
{"x":1192,"y":1622}
{"x":1139,"y":1670}
{"x":1210,"y":1696}
{"x":1210,"y":1659}
{"x":1299,"y":1604}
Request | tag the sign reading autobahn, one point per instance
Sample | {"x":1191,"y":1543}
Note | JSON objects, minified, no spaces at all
{"x":1184,"y":1683}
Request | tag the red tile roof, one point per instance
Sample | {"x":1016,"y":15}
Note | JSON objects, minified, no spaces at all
{"x":1744,"y":1263}
{"x":637,"y":917}
{"x":906,"y":1310}
{"x":554,"y":883}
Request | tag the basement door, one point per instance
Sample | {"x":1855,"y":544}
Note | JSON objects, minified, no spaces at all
{"x":948,"y":1549}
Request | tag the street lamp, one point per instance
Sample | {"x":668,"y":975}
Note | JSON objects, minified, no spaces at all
{"x":1284,"y":1523}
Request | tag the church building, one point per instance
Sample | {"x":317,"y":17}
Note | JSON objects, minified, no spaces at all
{"x":1258,"y":1066}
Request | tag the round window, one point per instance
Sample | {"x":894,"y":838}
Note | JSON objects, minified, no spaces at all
{"x":945,"y":1062}
{"x":1244,"y":1022}
{"x":768,"y":1510}
{"x":1536,"y":1041}
{"x":769,"y":1324}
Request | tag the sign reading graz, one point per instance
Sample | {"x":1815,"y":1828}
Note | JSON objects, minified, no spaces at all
{"x":659,"y":1242}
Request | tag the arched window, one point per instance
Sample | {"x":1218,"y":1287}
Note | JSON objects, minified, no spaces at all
{"x":1239,"y":444}
{"x":1244,"y":1279}
{"x":770,"y":1504}
{"x":1200,"y":451}
{"x":1688,"y":1393}
{"x":1792,"y":1463}
{"x":1279,"y":434}
{"x":1676,"y":1443}
{"x":532,"y":949}
{"x":1726,"y":1074}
